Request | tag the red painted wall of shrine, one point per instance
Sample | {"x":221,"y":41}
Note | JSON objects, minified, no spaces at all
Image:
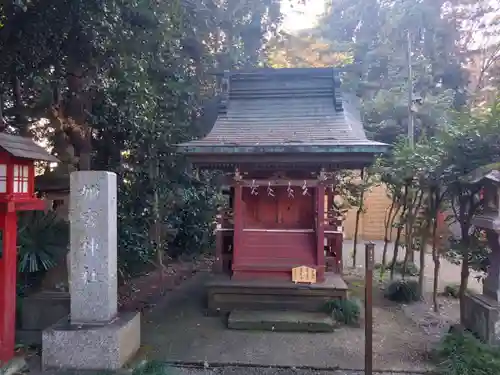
{"x":278,"y":234}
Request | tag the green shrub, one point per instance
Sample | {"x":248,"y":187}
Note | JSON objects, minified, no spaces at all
{"x":346,"y":311}
{"x":451,"y":290}
{"x":405,"y":291}
{"x":460,"y":353}
{"x":399,"y":267}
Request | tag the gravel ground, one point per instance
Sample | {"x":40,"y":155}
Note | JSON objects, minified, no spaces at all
{"x":434,"y":325}
{"x":229,"y":370}
{"x":449,"y":273}
{"x":270,"y":371}
{"x":178,"y":331}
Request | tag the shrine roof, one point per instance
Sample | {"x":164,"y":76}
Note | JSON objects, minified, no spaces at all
{"x":22,"y":147}
{"x":285,"y":111}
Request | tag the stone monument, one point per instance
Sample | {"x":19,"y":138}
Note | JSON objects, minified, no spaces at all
{"x":95,"y":337}
{"x":482,"y":311}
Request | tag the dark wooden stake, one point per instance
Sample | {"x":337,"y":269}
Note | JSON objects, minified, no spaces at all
{"x":369,"y":261}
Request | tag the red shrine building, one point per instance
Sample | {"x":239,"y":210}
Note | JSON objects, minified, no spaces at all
{"x":279,"y":138}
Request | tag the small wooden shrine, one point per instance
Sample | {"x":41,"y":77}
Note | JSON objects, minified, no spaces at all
{"x":279,"y":136}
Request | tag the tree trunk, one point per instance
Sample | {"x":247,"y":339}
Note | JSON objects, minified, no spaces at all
{"x":358,"y":216}
{"x":3,"y":124}
{"x":421,"y":278}
{"x":413,"y":211}
{"x":396,"y":251}
{"x":398,"y":233}
{"x":388,"y":234}
{"x":76,"y":108}
{"x":22,"y":122}
{"x":437,"y":265}
{"x":465,"y":223}
{"x":355,"y":237}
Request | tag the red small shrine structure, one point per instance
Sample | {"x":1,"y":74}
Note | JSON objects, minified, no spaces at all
{"x":17,"y":193}
{"x":279,"y":137}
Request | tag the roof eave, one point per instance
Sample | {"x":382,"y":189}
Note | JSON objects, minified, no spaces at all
{"x":364,"y":148}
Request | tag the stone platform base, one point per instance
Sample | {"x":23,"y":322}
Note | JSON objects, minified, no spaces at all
{"x":226,"y":295}
{"x":97,"y":347}
{"x":482,"y":317}
{"x":280,"y":321}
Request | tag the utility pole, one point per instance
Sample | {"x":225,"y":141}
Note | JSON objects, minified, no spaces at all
{"x":411,"y":124}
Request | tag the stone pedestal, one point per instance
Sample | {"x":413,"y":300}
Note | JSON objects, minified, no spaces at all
{"x":482,"y":311}
{"x":482,"y":317}
{"x":92,"y":347}
{"x":95,"y":337}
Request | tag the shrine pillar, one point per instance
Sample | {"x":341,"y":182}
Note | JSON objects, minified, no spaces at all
{"x":237,"y":217}
{"x":8,"y":273}
{"x":320,"y":230}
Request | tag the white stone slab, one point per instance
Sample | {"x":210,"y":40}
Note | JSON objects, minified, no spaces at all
{"x":93,"y":253}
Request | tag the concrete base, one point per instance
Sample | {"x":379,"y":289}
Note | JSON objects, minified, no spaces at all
{"x":281,"y":321}
{"x":482,"y":317}
{"x":96,"y":347}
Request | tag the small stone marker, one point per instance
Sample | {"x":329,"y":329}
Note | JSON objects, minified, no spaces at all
{"x":93,"y":213}
{"x":304,"y":274}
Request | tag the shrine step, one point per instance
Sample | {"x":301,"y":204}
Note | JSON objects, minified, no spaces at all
{"x":280,"y":321}
{"x":225,"y":294}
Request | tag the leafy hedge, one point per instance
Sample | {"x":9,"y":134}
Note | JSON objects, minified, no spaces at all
{"x":460,"y":353}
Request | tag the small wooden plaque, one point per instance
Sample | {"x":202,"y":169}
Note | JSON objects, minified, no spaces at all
{"x":304,"y":274}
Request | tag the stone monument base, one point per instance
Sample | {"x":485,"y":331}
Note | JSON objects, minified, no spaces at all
{"x":91,"y":347}
{"x":482,"y":317}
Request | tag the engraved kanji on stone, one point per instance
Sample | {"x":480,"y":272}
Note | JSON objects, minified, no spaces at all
{"x":89,"y":218}
{"x":89,"y":277}
{"x":90,"y":246}
{"x":89,"y":191}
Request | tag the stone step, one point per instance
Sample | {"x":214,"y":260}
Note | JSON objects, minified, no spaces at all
{"x":280,"y":321}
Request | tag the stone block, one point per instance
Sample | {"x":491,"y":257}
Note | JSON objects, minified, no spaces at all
{"x":482,"y":317}
{"x":281,"y":321}
{"x":44,"y":309}
{"x":91,"y":347}
{"x":93,"y":254}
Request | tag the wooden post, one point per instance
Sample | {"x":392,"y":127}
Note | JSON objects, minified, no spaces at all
{"x":8,"y":271}
{"x":238,"y":220}
{"x":219,"y":242}
{"x":320,"y":230}
{"x":369,"y":261}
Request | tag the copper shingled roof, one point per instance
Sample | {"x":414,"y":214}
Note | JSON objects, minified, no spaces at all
{"x":285,"y":107}
{"x":25,"y":148}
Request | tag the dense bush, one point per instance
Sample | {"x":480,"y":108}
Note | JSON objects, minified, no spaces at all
{"x":460,"y":353}
{"x":409,"y":269}
{"x":405,"y":291}
{"x":451,"y":290}
{"x":345,"y":311}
